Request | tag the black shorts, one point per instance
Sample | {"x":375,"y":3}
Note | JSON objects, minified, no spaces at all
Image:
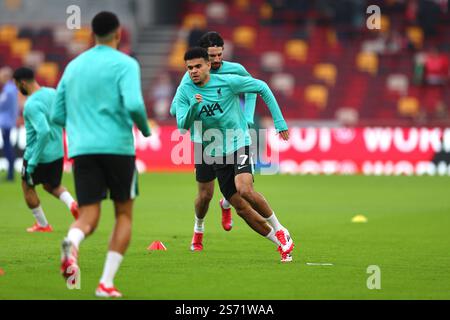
{"x":96,"y":175}
{"x":203,"y":172}
{"x":239,"y":162}
{"x":46,"y":173}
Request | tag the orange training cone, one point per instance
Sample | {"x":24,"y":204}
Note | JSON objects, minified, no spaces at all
{"x":157,"y":245}
{"x":2,"y":272}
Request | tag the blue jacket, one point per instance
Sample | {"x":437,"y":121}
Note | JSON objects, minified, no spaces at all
{"x":8,"y":106}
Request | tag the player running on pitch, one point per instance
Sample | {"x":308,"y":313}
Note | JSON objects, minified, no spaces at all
{"x":44,"y":152}
{"x":98,"y":100}
{"x":213,"y":101}
{"x":205,"y":175}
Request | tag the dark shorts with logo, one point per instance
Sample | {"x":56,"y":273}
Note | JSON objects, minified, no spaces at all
{"x":232,"y":165}
{"x":204,"y":172}
{"x":97,"y":174}
{"x":46,"y":173}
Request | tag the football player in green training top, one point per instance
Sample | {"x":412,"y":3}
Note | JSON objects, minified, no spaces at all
{"x":98,"y":99}
{"x":44,"y":153}
{"x":205,"y":174}
{"x":212,"y":101}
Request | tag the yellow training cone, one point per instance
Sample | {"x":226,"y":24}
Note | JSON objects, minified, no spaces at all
{"x":359,"y":219}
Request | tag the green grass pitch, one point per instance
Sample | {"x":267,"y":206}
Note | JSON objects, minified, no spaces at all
{"x":407,"y":236}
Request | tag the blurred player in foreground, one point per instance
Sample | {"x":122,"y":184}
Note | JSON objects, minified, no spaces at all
{"x":98,"y":100}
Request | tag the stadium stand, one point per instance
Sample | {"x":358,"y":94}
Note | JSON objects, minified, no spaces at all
{"x":325,"y":64}
{"x":46,"y":49}
{"x":295,"y":46}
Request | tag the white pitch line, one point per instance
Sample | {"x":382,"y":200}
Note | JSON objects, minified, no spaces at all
{"x":319,"y":264}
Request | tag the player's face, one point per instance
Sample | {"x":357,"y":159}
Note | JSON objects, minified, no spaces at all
{"x":198,"y":70}
{"x":215,"y":57}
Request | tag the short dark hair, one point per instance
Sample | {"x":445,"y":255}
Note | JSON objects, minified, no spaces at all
{"x":104,"y":23}
{"x":211,"y":39}
{"x":23,"y":73}
{"x":196,"y":52}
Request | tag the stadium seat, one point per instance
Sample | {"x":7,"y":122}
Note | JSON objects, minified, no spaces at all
{"x":8,"y":33}
{"x":13,"y":5}
{"x":367,"y":62}
{"x":296,"y":50}
{"x":20,"y":48}
{"x":27,"y":32}
{"x":398,"y":83}
{"x":408,"y":106}
{"x":34,"y":59}
{"x":194,"y":20}
{"x":347,"y":116}
{"x":244,"y":36}
{"x":415,"y":35}
{"x":242,"y":4}
{"x":62,"y":35}
{"x":272,"y":61}
{"x":83,"y":35}
{"x":326,"y":72}
{"x":228,"y":53}
{"x":48,"y":71}
{"x":317,"y":94}
{"x":332,"y":39}
{"x":283,"y":82}
{"x":217,"y":12}
{"x":373,"y":46}
{"x":75,"y":48}
{"x":176,"y":61}
{"x":266,"y":11}
{"x":385,"y":23}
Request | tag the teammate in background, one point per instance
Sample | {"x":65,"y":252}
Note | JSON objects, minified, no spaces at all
{"x":8,"y":116}
{"x":205,"y":175}
{"x":213,"y":100}
{"x":98,"y":99}
{"x":44,"y":153}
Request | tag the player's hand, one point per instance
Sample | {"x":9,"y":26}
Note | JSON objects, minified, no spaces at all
{"x":29,"y":180}
{"x":284,"y":135}
{"x":199,"y":98}
{"x":27,"y":177}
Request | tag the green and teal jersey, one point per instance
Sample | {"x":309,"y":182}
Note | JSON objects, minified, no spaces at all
{"x":98,"y":99}
{"x":44,"y":138}
{"x":231,"y":68}
{"x":223,"y":124}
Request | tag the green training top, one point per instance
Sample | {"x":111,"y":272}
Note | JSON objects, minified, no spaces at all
{"x":98,"y":99}
{"x":226,"y":68}
{"x":221,"y":110}
{"x":44,"y":138}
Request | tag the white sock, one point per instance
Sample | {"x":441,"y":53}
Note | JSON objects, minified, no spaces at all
{"x":39,"y":215}
{"x":66,"y":197}
{"x":271,"y":236}
{"x":273,"y":221}
{"x":199,"y":226}
{"x":75,"y":235}
{"x":112,"y":264}
{"x":225,"y":204}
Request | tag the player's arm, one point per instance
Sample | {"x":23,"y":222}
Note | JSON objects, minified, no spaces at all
{"x":186,"y":109}
{"x":250,"y":106}
{"x":173,"y":106}
{"x":130,"y":91}
{"x":58,"y":110}
{"x":249,"y":98}
{"x":39,"y":123}
{"x":240,"y":84}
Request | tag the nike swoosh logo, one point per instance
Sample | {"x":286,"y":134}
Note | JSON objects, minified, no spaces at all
{"x":239,"y":168}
